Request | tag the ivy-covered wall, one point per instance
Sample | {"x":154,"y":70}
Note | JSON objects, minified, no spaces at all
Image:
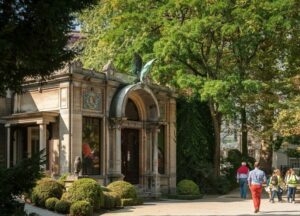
{"x":195,"y":141}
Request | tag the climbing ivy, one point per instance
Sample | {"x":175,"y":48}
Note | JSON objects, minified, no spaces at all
{"x":195,"y":140}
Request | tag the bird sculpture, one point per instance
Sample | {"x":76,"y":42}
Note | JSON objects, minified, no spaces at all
{"x":139,"y":70}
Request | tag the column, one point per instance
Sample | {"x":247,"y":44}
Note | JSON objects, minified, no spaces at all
{"x":43,"y":139}
{"x":43,"y":135}
{"x":116,"y":172}
{"x":8,"y":139}
{"x":118,"y":146}
{"x":156,"y":178}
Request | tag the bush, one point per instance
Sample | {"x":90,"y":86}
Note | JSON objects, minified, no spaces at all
{"x":111,"y":200}
{"x":187,"y":187}
{"x":85,"y":189}
{"x":62,"y":207}
{"x":105,"y":189}
{"x":46,"y":188}
{"x":19,"y":179}
{"x":128,"y":202}
{"x":223,"y":185}
{"x":50,"y":203}
{"x":63,"y":177}
{"x":117,"y":199}
{"x":81,"y":208}
{"x":124,"y":189}
{"x":184,"y":197}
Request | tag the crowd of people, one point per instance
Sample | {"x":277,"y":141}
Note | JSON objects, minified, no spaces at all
{"x":276,"y":184}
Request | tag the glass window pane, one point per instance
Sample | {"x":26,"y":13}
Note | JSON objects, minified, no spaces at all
{"x":91,"y":146}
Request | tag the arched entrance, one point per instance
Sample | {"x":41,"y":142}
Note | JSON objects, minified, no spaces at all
{"x":135,"y":112}
{"x":130,"y":145}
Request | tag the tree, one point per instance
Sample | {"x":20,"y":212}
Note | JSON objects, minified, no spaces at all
{"x":210,"y":48}
{"x":194,"y":138}
{"x":17,"y":180}
{"x":33,"y":38}
{"x":288,"y":120}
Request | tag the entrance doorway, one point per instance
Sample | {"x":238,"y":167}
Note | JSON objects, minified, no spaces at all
{"x":130,"y":155}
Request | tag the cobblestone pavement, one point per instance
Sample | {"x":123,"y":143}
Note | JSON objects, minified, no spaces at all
{"x":225,"y":205}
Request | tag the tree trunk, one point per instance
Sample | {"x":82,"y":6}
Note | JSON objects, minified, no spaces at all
{"x":244,"y":132}
{"x":216,"y":117}
{"x":266,"y":155}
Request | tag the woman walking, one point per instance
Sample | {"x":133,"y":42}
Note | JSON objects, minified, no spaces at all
{"x":276,"y":184}
{"x":291,"y":180}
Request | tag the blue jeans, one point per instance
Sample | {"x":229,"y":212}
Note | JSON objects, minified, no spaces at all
{"x":243,"y":187}
{"x":291,"y":193}
{"x":278,"y":193}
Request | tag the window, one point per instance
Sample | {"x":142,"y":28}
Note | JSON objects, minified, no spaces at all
{"x":131,"y":111}
{"x":294,"y":162}
{"x":91,"y":146}
{"x":161,"y":150}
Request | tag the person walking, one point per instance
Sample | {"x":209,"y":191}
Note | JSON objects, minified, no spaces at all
{"x":255,"y":180}
{"x":288,"y":173}
{"x":242,"y":179}
{"x":292,"y":181}
{"x":276,"y":183}
{"x":268,"y":187}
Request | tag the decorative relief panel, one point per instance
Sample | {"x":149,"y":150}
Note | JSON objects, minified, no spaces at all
{"x":92,"y":100}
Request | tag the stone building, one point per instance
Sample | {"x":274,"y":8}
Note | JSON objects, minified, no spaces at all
{"x":119,"y":128}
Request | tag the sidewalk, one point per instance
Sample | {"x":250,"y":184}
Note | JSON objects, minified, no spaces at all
{"x":229,"y":204}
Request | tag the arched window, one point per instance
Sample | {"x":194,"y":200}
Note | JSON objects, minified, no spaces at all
{"x":131,"y":111}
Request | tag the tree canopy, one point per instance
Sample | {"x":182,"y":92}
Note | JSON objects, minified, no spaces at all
{"x":33,"y":38}
{"x":236,"y":55}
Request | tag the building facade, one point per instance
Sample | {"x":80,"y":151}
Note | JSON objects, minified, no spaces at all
{"x":120,"y":129}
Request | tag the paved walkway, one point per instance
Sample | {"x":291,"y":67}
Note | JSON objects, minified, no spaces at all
{"x":225,"y":205}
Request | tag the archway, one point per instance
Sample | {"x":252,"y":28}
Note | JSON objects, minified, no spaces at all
{"x":133,"y":109}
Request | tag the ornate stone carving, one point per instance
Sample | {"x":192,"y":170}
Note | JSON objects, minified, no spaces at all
{"x":109,"y":69}
{"x":91,"y":100}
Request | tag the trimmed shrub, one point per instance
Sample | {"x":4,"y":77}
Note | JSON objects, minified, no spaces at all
{"x":117,"y":199}
{"x":81,"y":208}
{"x":187,"y":187}
{"x":105,"y":189}
{"x":124,"y":189}
{"x":63,"y":177}
{"x":50,"y":203}
{"x":62,"y":207}
{"x":46,"y":188}
{"x":85,"y":189}
{"x":184,"y":197}
{"x":109,"y":201}
{"x":132,"y":202}
{"x":128,"y":202}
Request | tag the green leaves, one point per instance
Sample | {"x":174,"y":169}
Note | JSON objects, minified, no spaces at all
{"x":236,"y":55}
{"x":33,"y":38}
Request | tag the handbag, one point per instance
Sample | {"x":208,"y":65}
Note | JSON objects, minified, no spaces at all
{"x":267,"y":189}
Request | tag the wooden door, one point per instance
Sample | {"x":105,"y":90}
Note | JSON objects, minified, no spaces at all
{"x":130,"y":155}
